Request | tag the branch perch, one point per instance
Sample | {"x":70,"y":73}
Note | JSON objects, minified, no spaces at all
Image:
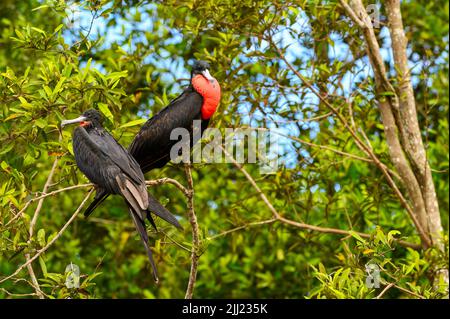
{"x":278,"y":217}
{"x":44,"y":249}
{"x":34,"y":281}
{"x":195,"y":234}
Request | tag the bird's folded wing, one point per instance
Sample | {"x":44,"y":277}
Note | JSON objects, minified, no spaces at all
{"x":109,"y":147}
{"x":154,"y":135}
{"x":158,"y":209}
{"x":135,"y":195}
{"x":140,"y":227}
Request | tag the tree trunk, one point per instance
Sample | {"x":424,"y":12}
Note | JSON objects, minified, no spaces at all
{"x":401,"y":125}
{"x":413,"y":145}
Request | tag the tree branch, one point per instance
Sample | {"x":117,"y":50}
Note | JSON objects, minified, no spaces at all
{"x":411,"y":133}
{"x":195,"y":234}
{"x":278,"y":217}
{"x":387,"y":106}
{"x":50,"y":243}
{"x":31,"y":230}
{"x":229,"y":231}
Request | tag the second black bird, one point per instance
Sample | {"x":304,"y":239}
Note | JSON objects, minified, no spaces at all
{"x":113,"y":170}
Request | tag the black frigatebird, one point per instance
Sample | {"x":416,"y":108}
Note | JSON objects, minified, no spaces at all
{"x":151,"y":146}
{"x":113,"y":170}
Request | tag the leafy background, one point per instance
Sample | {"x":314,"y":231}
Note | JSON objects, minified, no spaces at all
{"x":129,"y":59}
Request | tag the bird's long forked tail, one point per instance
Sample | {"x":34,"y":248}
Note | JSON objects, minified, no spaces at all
{"x":159,"y":210}
{"x":98,"y":199}
{"x":140,"y":227}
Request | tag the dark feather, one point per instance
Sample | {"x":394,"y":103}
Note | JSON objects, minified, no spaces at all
{"x":112,"y":169}
{"x":140,"y":227}
{"x":151,"y":146}
{"x":155,"y":207}
{"x":100,"y":196}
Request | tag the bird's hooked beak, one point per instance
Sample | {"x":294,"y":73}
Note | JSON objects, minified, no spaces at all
{"x":77,"y":120}
{"x":208,"y":76}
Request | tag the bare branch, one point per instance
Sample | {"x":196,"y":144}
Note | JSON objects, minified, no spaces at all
{"x":31,"y":230}
{"x":263,"y":222}
{"x":195,"y":234}
{"x":412,"y":135}
{"x":352,"y":14}
{"x":50,"y":243}
{"x":252,"y":181}
{"x":151,"y":182}
{"x":358,"y":13}
{"x":19,"y":214}
{"x":278,"y":217}
{"x":169,"y":181}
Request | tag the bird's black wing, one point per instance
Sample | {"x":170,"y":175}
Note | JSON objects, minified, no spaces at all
{"x":96,"y":155}
{"x":118,"y":154}
{"x":151,"y":146}
{"x":158,"y":209}
{"x":140,"y":227}
{"x":110,"y":167}
{"x":100,"y":196}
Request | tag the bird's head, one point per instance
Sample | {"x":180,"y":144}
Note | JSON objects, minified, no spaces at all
{"x":201,"y":68}
{"x":88,"y":118}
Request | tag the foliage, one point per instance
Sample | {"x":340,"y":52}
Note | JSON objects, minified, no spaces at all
{"x":129,"y":59}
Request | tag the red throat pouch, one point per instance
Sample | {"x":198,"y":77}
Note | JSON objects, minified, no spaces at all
{"x":210,"y":91}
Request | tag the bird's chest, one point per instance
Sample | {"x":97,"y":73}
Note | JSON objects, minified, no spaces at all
{"x":90,"y":160}
{"x":210,"y":91}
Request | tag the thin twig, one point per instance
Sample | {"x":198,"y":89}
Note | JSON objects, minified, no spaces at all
{"x":19,"y":214}
{"x":169,"y":181}
{"x":352,"y":14}
{"x":50,"y":243}
{"x":229,"y":231}
{"x":41,"y":200}
{"x":94,"y":16}
{"x":365,"y":148}
{"x":392,"y":284}
{"x":341,"y":232}
{"x":150,"y":182}
{"x":252,"y":181}
{"x":16,"y":295}
{"x":284,"y":220}
{"x":174,"y":241}
{"x":409,"y":292}
{"x":195,"y":234}
{"x":31,"y":230}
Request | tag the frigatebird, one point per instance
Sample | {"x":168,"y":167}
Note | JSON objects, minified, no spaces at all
{"x":152,"y":144}
{"x":112,"y":170}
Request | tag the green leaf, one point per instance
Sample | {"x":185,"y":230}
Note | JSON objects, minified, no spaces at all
{"x":358,"y":237}
{"x":391,"y":234}
{"x":48,"y":91}
{"x":133,"y":123}
{"x":41,"y":237}
{"x":59,"y":27}
{"x":19,"y":34}
{"x":5,"y":150}
{"x":38,"y":30}
{"x":40,"y":7}
{"x":106,"y":112}
{"x":43,"y":266}
{"x":24,"y":102}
